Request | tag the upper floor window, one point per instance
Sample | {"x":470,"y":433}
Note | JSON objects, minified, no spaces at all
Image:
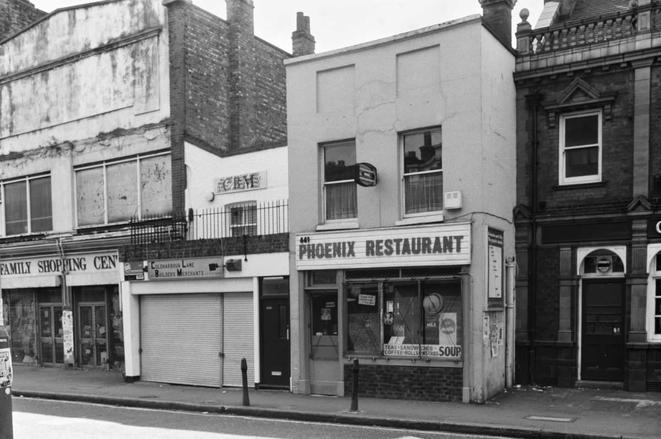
{"x":339,"y":191}
{"x":654,"y":302}
{"x":114,"y":192}
{"x":580,"y":148}
{"x":27,"y":205}
{"x":243,"y":218}
{"x":423,"y":171}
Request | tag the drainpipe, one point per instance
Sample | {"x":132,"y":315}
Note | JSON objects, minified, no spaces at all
{"x":533,"y":104}
{"x":510,"y":316}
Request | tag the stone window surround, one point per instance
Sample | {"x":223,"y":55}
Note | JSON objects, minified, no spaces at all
{"x":588,"y":179}
{"x":653,"y":250}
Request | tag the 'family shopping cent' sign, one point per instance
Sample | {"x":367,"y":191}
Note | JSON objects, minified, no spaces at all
{"x":446,"y":244}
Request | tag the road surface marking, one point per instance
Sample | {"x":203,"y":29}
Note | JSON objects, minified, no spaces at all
{"x":549,"y":418}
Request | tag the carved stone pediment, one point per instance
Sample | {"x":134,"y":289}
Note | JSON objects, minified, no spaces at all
{"x":579,"y":95}
{"x":639,"y":204}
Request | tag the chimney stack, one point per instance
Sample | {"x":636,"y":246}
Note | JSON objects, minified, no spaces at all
{"x":242,"y":72}
{"x":302,"y":40}
{"x":497,"y":17}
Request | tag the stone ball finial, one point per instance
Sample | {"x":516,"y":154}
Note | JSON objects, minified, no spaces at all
{"x":524,"y":14}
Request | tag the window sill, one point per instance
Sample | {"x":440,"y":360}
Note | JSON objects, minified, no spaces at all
{"x":340,"y":225}
{"x":563,"y":187}
{"x":436,"y":218}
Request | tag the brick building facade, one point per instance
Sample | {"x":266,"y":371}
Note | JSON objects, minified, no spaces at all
{"x":588,"y":188}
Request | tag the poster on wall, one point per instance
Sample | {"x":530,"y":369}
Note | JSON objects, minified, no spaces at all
{"x":67,"y":336}
{"x":5,"y":359}
{"x":495,"y":264}
{"x":5,"y":368}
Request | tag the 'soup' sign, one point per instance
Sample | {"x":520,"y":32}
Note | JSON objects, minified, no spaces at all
{"x":439,"y":245}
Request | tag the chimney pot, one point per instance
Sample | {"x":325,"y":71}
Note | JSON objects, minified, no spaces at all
{"x":303,"y":42}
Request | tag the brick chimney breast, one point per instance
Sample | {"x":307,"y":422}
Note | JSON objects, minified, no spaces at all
{"x":242,"y":63}
{"x":497,"y":17}
{"x":303,"y":43}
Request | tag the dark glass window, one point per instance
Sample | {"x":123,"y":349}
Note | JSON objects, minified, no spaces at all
{"x":423,"y":171}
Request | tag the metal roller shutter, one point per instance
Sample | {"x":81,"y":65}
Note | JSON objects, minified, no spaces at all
{"x":181,"y":339}
{"x":238,"y":338}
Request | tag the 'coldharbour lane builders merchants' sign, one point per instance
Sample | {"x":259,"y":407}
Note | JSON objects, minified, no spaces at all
{"x":445,"y":244}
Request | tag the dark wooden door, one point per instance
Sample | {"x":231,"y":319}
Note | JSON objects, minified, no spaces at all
{"x":275,"y":342}
{"x":602,"y":347}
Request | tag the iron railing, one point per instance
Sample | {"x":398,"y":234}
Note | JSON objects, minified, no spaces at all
{"x":232,"y":220}
{"x":158,"y":229}
{"x":238,"y":219}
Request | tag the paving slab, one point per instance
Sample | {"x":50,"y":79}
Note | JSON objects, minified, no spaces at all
{"x":525,"y":412}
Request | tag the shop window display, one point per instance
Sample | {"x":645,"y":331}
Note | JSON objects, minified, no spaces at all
{"x":21,"y":319}
{"x":421,"y":319}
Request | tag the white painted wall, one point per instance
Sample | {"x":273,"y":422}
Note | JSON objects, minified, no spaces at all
{"x":204,"y":168}
{"x":471,"y":96}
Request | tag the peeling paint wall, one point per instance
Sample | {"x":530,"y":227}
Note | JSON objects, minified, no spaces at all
{"x":99,"y":84}
{"x":71,"y":32}
{"x":83,"y":71}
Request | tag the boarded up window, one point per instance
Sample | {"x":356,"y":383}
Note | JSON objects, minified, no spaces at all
{"x":155,"y":185}
{"x":419,"y":72}
{"x":90,"y":197}
{"x":336,"y":90}
{"x":16,"y":213}
{"x":122,"y":194}
{"x":126,"y":192}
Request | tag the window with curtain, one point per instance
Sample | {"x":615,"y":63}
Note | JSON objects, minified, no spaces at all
{"x":580,"y":148}
{"x":423,"y":171}
{"x":339,"y":187}
{"x":28,"y":205}
{"x":117,"y":191}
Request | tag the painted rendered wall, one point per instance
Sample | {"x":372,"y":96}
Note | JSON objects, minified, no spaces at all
{"x":379,"y":114}
{"x":205,"y":168}
{"x":83,"y":85}
{"x":471,"y":97}
{"x":84,"y":71}
{"x":498,"y":174}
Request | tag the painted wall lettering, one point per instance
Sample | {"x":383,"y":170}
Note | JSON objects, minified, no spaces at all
{"x":56,"y":265}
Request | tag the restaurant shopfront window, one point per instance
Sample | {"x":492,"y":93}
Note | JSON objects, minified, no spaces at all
{"x":409,"y":318}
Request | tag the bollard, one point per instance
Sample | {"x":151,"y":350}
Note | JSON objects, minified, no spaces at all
{"x":244,"y":380}
{"x":6,"y":427}
{"x":354,"y":389}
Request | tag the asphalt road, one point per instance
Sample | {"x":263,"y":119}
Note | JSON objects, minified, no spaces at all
{"x":46,"y":419}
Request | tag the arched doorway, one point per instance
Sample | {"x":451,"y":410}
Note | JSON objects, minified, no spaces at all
{"x":601,"y":314}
